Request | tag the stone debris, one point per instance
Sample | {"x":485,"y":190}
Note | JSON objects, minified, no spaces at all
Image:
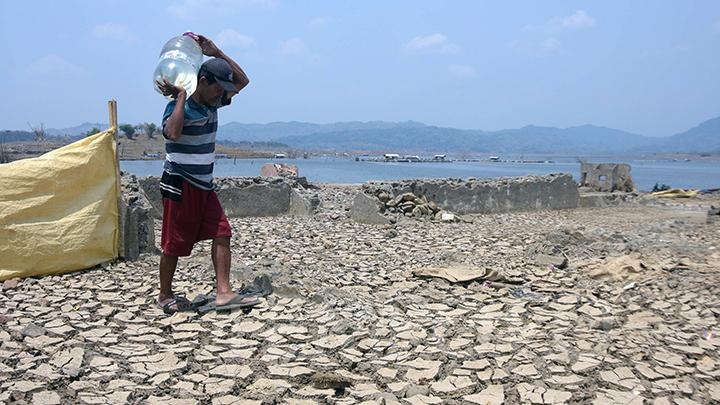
{"x":278,"y":170}
{"x":349,"y":322}
{"x":380,"y":208}
{"x":10,"y":284}
{"x":33,"y":330}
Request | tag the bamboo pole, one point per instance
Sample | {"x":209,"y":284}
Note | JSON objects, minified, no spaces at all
{"x":113,"y":123}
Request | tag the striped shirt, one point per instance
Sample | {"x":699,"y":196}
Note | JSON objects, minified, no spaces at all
{"x":192,"y":156}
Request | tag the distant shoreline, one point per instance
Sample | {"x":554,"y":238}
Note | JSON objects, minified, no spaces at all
{"x":139,"y":147}
{"x":529,"y":159}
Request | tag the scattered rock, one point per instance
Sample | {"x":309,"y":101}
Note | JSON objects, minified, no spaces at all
{"x":33,"y":330}
{"x":332,"y":381}
{"x":11,"y":284}
{"x":605,"y":324}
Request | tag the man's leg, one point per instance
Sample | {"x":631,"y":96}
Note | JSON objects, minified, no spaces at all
{"x":221,"y":261}
{"x":217,"y":228}
{"x":168,"y":264}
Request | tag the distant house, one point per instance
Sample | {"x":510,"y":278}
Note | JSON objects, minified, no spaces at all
{"x":494,"y":158}
{"x":412,"y":158}
{"x":440,"y":158}
{"x":391,"y":157}
{"x":280,"y":156}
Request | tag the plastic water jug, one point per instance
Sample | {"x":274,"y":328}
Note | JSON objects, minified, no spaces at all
{"x":180,"y":61}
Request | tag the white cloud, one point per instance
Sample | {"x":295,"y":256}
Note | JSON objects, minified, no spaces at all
{"x":545,"y":47}
{"x":429,"y":41}
{"x":578,"y":20}
{"x":550,"y":45}
{"x":435,"y":43}
{"x":231,"y":38}
{"x":201,"y":8}
{"x":113,"y":31}
{"x":53,"y":64}
{"x":293,"y":46}
{"x":320,"y":21}
{"x":462,"y":70}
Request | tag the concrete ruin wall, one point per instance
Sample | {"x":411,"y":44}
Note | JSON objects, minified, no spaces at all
{"x":606,"y":177}
{"x":603,"y":200}
{"x":247,"y":196}
{"x":553,"y":191}
{"x":240,"y":197}
{"x":137,"y":230}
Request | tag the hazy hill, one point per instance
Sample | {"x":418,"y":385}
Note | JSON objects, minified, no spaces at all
{"x":76,"y":131}
{"x":587,"y":139}
{"x":235,"y":131}
{"x":702,"y":138}
{"x":415,"y":137}
{"x":402,"y":139}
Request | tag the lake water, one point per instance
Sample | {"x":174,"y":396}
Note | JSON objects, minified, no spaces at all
{"x":677,"y":174}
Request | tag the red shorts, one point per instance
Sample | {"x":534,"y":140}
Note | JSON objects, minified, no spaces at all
{"x":198,"y":216}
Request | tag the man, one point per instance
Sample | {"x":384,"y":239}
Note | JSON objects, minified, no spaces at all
{"x":191,"y":209}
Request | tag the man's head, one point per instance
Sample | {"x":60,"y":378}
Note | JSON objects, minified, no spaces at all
{"x":215,"y":79}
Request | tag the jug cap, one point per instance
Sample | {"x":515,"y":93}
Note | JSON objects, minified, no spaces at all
{"x":191,"y":35}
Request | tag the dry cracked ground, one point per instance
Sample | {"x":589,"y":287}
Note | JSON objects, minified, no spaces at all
{"x":617,"y":306}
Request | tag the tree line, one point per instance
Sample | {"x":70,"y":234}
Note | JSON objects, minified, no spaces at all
{"x":132,"y":131}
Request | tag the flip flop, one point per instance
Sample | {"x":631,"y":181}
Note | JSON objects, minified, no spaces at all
{"x":260,"y":287}
{"x":238,"y":302}
{"x":182,"y":304}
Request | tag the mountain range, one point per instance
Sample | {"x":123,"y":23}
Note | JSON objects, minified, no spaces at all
{"x":415,"y":137}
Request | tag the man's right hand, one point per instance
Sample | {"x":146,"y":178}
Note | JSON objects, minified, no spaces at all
{"x":168,"y":89}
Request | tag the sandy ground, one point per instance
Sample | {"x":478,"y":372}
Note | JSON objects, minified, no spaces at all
{"x":631,"y":317}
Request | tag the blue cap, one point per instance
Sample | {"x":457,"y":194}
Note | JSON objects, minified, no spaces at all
{"x":221,"y":71}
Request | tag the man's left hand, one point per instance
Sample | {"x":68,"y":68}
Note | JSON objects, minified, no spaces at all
{"x":169,"y":90}
{"x":208,"y":46}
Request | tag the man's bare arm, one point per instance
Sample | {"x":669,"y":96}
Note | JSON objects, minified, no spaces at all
{"x":174,"y":124}
{"x":209,"y":48}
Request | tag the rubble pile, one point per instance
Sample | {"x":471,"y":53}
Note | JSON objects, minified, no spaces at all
{"x":279,"y":170}
{"x":407,"y":204}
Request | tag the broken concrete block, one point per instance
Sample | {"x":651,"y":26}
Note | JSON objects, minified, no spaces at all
{"x":366,"y":210}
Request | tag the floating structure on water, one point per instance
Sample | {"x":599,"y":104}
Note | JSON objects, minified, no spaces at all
{"x":442,"y":158}
{"x":396,"y":158}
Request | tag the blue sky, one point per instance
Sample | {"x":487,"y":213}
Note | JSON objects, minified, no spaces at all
{"x":647,"y":67}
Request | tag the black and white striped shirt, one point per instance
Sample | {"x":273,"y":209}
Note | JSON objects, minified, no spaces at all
{"x":192,"y":156}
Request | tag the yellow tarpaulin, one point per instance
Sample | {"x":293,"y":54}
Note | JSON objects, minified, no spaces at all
{"x":675,"y":193}
{"x":59,"y":211}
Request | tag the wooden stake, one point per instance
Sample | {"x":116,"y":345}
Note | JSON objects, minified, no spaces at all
{"x":113,"y":123}
{"x":112,"y":110}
